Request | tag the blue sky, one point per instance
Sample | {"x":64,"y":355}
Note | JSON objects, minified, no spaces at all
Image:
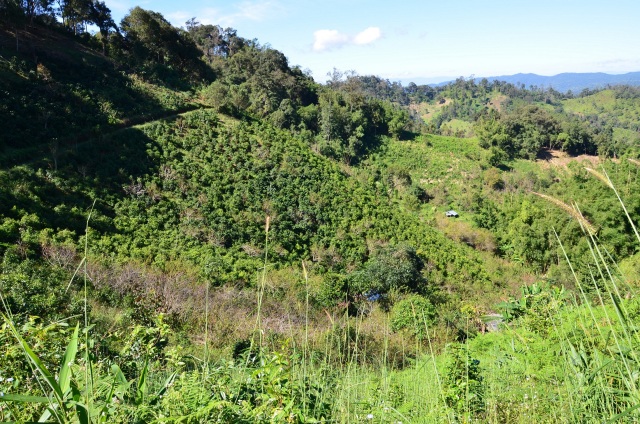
{"x":424,"y":39}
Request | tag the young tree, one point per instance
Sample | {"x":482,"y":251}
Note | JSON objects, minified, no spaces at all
{"x":75,"y":14}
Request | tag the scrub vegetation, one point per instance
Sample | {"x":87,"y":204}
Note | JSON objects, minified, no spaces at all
{"x":192,"y":230}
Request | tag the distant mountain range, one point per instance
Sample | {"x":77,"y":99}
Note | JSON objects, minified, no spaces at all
{"x":575,"y":82}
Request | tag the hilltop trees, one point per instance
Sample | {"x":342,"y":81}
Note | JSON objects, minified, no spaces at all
{"x":75,"y":14}
{"x":259,"y":79}
{"x":214,"y":41}
{"x":350,"y":125}
{"x":529,"y":129}
{"x":33,"y":8}
{"x":11,"y":10}
{"x":100,"y":15}
{"x":577,"y":138}
{"x":150,"y":40}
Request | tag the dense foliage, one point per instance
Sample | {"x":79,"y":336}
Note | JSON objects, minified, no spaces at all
{"x":192,"y":230}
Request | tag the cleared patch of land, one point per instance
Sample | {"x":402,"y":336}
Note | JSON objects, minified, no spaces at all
{"x":560,"y":159}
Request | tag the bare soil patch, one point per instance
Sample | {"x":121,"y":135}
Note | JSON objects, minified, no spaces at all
{"x":498,"y":102}
{"x":427,"y":110}
{"x":560,"y":159}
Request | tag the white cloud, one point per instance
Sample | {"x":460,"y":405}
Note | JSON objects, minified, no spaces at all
{"x":327,"y":39}
{"x":211,"y":16}
{"x":179,"y":17}
{"x":257,"y":10}
{"x":331,"y":39}
{"x":120,"y":6}
{"x":367,"y":36}
{"x":250,"y":10}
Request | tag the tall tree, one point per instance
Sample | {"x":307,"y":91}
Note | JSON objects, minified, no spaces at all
{"x":214,"y":41}
{"x":75,"y":14}
{"x":100,"y":15}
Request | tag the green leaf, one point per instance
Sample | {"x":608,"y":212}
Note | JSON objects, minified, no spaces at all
{"x":81,"y":412}
{"x":142,"y":384}
{"x":24,"y":398}
{"x":69,"y":356}
{"x":46,"y":414}
{"x":119,"y":375}
{"x":164,"y":388}
{"x":120,"y":385}
{"x":623,"y":414}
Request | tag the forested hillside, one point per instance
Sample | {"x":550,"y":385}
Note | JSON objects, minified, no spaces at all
{"x":192,"y":230}
{"x":568,"y":81}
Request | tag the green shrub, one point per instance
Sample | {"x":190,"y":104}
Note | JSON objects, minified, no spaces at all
{"x":392,"y":268}
{"x":414,"y":313}
{"x":32,"y":288}
{"x":332,"y":290}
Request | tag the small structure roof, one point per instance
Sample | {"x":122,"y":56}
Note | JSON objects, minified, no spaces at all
{"x":451,"y":213}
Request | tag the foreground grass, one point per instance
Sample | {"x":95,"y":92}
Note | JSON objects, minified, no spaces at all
{"x":558,"y":362}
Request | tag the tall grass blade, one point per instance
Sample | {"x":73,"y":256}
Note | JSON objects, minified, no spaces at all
{"x":624,"y":414}
{"x":39,"y":366}
{"x":571,"y":211}
{"x":262,"y":285}
{"x":75,"y":273}
{"x":635,"y":230}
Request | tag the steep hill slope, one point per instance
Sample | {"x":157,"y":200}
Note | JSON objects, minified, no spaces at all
{"x":58,"y":90}
{"x":186,"y":198}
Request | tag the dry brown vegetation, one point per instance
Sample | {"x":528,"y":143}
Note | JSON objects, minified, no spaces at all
{"x":463,"y":232}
